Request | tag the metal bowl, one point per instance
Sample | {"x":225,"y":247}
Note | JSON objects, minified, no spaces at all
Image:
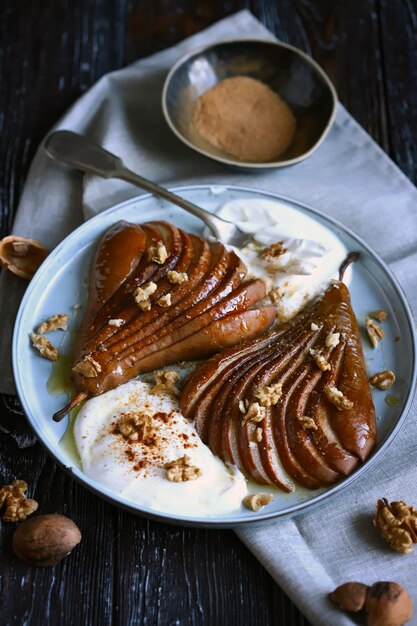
{"x":289,"y":72}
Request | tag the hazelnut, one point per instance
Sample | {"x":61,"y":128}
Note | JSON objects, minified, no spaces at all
{"x":46,"y":539}
{"x":388,"y":604}
{"x":350,"y":597}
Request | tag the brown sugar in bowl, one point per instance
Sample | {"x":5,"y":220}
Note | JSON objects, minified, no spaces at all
{"x":246,"y":119}
{"x":291,"y":74}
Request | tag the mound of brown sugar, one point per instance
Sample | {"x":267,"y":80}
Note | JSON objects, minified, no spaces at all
{"x":245,"y":118}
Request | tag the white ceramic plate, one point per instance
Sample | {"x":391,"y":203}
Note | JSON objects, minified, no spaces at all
{"x":60,"y":283}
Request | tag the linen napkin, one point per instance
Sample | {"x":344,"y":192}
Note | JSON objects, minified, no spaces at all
{"x":350,"y":178}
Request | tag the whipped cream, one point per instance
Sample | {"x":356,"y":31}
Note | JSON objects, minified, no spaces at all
{"x":310,"y":256}
{"x":135,"y":469}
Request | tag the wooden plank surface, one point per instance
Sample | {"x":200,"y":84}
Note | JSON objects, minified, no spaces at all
{"x":129,"y":570}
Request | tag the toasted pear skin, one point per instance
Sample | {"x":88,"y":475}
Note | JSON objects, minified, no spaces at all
{"x":199,"y":302}
{"x":292,"y":406}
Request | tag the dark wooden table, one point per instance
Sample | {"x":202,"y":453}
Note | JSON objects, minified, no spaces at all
{"x":128,"y":570}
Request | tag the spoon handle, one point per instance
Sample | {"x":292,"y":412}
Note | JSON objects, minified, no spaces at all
{"x":77,"y":151}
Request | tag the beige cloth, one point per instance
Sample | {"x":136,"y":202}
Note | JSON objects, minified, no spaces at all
{"x":350,"y":178}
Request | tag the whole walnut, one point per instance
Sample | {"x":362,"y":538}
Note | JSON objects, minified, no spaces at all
{"x":46,"y":539}
{"x":384,"y":603}
{"x":388,"y":604}
{"x":350,"y":597}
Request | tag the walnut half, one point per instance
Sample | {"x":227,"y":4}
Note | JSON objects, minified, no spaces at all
{"x":164,"y":301}
{"x":336,"y":397}
{"x":55,"y":322}
{"x":255,"y":413}
{"x":44,"y":346}
{"x":269,"y":395}
{"x":383,"y":380}
{"x":135,"y":427}
{"x":380,"y":315}
{"x":17,"y":506}
{"x":375,"y":331}
{"x":307,"y":422}
{"x":165,"y":382}
{"x":321,"y":363}
{"x":141,"y":295}
{"x":181,"y":470}
{"x":273,"y":252}
{"x":88,"y":367}
{"x":158,"y":253}
{"x":177,"y":278}
{"x":397,"y":522}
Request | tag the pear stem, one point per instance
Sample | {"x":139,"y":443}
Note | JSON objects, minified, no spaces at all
{"x":59,"y":415}
{"x":352,"y":257}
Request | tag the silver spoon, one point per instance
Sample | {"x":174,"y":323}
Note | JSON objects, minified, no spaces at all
{"x":77,"y":151}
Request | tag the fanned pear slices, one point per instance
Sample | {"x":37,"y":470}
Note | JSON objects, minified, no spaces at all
{"x":158,"y":295}
{"x":294,"y":405}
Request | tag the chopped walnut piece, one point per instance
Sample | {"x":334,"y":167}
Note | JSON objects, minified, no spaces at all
{"x":164,"y":301}
{"x":181,"y":470}
{"x":165,"y":382}
{"x":88,"y":367}
{"x":243,"y":406}
{"x":273,"y":251}
{"x":321,"y":363}
{"x":275,"y":294}
{"x":383,"y":380}
{"x":257,"y":501}
{"x":55,"y":322}
{"x":145,"y":305}
{"x":141,"y":295}
{"x":307,"y":422}
{"x":135,"y":427}
{"x":17,"y":506}
{"x":177,"y":278}
{"x":336,"y":397}
{"x":269,"y":396}
{"x":375,"y":331}
{"x":397,"y":522}
{"x":255,"y":413}
{"x":320,"y":360}
{"x":116,"y":322}
{"x":44,"y":346}
{"x":314,"y":326}
{"x":158,"y":253}
{"x":258,"y":434}
{"x":380,"y":315}
{"x":332,"y":339}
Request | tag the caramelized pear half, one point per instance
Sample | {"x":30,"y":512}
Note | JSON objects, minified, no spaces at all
{"x":293,"y":406}
{"x":159,"y":295}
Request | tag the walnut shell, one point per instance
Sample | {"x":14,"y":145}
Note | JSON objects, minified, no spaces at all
{"x":388,"y":604}
{"x":46,"y":539}
{"x":350,"y":597}
{"x":21,"y":256}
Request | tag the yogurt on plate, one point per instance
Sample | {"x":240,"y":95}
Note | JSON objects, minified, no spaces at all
{"x":309,"y":258}
{"x":134,"y":469}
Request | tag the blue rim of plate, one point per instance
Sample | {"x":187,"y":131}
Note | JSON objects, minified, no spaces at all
{"x":261,"y":517}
